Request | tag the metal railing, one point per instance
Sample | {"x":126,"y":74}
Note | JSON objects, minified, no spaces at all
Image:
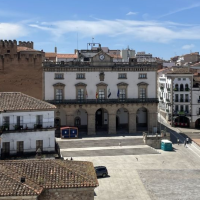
{"x":104,"y":101}
{"x":181,"y":113}
{"x":10,"y":127}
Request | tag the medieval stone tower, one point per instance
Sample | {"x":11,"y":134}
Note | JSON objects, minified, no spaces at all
{"x":20,"y":68}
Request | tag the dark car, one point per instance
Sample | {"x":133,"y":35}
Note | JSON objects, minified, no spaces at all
{"x":101,"y":171}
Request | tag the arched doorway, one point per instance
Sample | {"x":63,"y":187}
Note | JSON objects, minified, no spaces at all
{"x":101,"y":120}
{"x":197,"y":124}
{"x":142,"y":119}
{"x":122,"y":119}
{"x":57,"y":122}
{"x":80,"y":120}
{"x":182,"y":121}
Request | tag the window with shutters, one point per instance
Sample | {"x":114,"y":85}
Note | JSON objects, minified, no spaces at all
{"x":101,"y":94}
{"x":39,"y":144}
{"x":59,"y":76}
{"x":80,"y":76}
{"x":6,"y":147}
{"x":20,"y":146}
{"x":142,"y":76}
{"x":39,"y":119}
{"x":80,"y":93}
{"x":59,"y":94}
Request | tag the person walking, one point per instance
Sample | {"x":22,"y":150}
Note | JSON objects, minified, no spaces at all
{"x":71,"y":158}
{"x":178,"y":141}
{"x":185,"y":142}
{"x":187,"y":139}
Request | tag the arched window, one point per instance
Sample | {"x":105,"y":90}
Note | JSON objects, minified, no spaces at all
{"x":181,"y":87}
{"x":176,"y":87}
{"x":186,"y":87}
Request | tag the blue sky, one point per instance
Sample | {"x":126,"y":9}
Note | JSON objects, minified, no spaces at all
{"x":164,"y":28}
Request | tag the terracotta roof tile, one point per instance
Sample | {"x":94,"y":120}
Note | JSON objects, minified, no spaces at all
{"x":179,"y":70}
{"x":42,"y":174}
{"x":197,"y":78}
{"x":115,"y":56}
{"x":50,"y":54}
{"x":17,"y":101}
{"x":66,"y":56}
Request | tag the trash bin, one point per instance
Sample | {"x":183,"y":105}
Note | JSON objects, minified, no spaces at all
{"x":166,"y":145}
{"x":68,"y":132}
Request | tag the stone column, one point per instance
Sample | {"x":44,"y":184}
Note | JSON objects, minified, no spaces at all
{"x":91,"y":124}
{"x":70,"y":119}
{"x":112,"y":124}
{"x":132,"y":122}
{"x":152,"y":121}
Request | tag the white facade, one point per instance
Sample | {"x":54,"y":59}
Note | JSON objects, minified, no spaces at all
{"x":144,"y":57}
{"x":28,"y":127}
{"x":29,"y":140}
{"x":196,"y":106}
{"x":169,"y":64}
{"x":175,"y":97}
{"x":92,"y":79}
{"x":126,"y":54}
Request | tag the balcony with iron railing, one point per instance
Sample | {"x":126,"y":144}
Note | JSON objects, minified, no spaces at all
{"x":181,"y":113}
{"x":26,"y":127}
{"x":168,"y":89}
{"x":161,"y":87}
{"x":104,"y":101}
{"x":176,"y":89}
{"x":168,"y":100}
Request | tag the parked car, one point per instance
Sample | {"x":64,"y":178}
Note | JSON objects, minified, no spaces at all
{"x":101,"y":171}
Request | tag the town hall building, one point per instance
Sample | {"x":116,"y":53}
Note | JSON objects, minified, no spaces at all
{"x":98,"y":95}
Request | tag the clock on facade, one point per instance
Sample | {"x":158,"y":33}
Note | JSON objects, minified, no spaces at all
{"x":101,"y":57}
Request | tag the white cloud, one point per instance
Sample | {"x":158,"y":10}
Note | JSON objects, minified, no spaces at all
{"x":12,"y":31}
{"x":188,"y":46}
{"x":131,"y":13}
{"x":144,"y":30}
{"x":181,"y":9}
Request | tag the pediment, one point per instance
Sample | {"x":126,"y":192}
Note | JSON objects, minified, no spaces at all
{"x":122,"y":84}
{"x":59,"y":84}
{"x":80,"y":84}
{"x":102,"y":57}
{"x":101,"y":84}
{"x":142,"y":83}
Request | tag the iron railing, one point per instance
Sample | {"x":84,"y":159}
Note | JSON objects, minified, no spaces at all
{"x":10,"y":127}
{"x":104,"y":101}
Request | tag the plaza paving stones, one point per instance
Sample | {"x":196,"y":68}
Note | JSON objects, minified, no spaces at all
{"x":134,"y":173}
{"x":82,"y":143}
{"x":109,"y":152}
{"x":171,"y":184}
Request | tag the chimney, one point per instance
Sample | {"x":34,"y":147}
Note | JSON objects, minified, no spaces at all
{"x":55,"y":49}
{"x":22,"y":179}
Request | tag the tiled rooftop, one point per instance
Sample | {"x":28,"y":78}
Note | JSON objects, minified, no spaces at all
{"x":179,"y":70}
{"x":17,"y":101}
{"x":50,"y":54}
{"x":197,"y":78}
{"x":44,"y":174}
{"x":66,"y":56}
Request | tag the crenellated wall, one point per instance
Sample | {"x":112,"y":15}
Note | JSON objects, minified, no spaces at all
{"x":20,"y":71}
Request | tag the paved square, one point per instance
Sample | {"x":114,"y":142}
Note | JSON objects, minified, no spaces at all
{"x":144,"y":173}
